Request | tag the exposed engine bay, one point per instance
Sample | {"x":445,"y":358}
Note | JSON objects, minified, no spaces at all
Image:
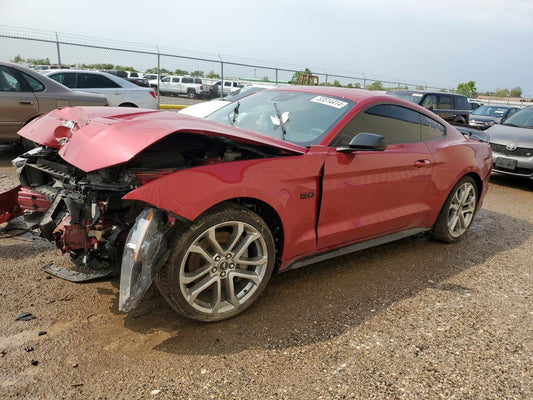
{"x":84,"y":213}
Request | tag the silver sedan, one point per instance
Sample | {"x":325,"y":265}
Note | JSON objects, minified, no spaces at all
{"x":26,"y":94}
{"x":512,"y":144}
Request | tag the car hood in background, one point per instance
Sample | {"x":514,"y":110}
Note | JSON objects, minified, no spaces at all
{"x":92,"y":138}
{"x":202,"y":110}
{"x":504,"y":134}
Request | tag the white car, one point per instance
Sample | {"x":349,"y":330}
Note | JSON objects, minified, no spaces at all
{"x":206,"y":108}
{"x":119,"y":92}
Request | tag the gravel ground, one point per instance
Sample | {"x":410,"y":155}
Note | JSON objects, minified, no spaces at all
{"x":414,"y":319}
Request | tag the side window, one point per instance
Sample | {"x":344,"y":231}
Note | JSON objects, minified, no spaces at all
{"x":395,"y":123}
{"x":9,"y":82}
{"x":461,"y":103}
{"x":445,"y":102}
{"x":34,"y":83}
{"x":166,"y":79}
{"x":66,"y":79}
{"x":134,"y":75}
{"x":91,"y":81}
{"x":429,"y":101}
{"x":431,"y":129}
{"x":176,"y":80}
{"x":226,"y":83}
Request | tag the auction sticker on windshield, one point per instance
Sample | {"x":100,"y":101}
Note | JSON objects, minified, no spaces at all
{"x":328,"y":101}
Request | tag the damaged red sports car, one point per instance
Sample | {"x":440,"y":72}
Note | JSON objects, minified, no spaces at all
{"x":210,"y":208}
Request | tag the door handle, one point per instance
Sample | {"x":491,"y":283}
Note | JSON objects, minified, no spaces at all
{"x":22,"y":101}
{"x":422,"y":163}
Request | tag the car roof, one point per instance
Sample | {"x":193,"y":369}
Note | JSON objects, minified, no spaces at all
{"x":424,"y":92}
{"x":347,"y":93}
{"x":121,"y":81}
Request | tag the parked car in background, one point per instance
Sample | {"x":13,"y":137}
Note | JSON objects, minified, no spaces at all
{"x":207,"y":107}
{"x":137,"y":78}
{"x":512,"y":144}
{"x":278,"y":180}
{"x":229,"y":86}
{"x":486,"y":116}
{"x":474,"y":104}
{"x":449,"y":106}
{"x":153,"y":79}
{"x":119,"y":92}
{"x":26,"y":94}
{"x":191,"y":87}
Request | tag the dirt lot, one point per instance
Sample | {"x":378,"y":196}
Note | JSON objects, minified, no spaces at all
{"x":415,"y":319}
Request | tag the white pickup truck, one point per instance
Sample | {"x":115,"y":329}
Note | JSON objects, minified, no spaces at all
{"x":191,"y":87}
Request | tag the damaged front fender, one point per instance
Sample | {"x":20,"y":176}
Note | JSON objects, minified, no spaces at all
{"x":144,"y":252}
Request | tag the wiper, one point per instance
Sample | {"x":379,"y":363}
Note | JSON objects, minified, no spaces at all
{"x":235,"y":114}
{"x":281,"y":124}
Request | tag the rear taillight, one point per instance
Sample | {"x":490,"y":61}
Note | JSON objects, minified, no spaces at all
{"x":152,"y":92}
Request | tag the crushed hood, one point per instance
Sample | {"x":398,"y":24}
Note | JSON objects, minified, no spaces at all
{"x":92,"y":138}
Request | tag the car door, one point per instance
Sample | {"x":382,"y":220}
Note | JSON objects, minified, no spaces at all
{"x":371,"y":193}
{"x":96,"y":83}
{"x":18,"y":103}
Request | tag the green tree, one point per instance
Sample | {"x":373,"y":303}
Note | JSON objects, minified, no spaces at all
{"x":377,"y":85}
{"x":212,"y":75}
{"x":516,"y":92}
{"x":155,"y":71}
{"x":420,"y":88}
{"x":265,"y":79}
{"x":502,"y":93}
{"x":124,"y":68}
{"x":96,"y":66}
{"x":17,"y":59}
{"x":199,"y":74}
{"x":467,"y":89}
{"x":336,"y":83}
{"x":181,"y":72}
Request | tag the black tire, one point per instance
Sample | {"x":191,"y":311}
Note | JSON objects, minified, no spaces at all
{"x":457,"y":212}
{"x":204,"y":279}
{"x":191,"y":94}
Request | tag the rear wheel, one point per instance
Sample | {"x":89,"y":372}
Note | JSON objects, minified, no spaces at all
{"x":191,"y":94}
{"x":219,"y":264}
{"x":458,"y":212}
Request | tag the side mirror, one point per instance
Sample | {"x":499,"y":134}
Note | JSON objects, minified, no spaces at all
{"x":498,"y":120}
{"x":364,"y":141}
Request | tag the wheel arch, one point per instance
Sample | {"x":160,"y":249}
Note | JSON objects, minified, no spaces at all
{"x":268,"y":214}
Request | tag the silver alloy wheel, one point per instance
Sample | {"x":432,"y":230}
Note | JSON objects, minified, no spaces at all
{"x":461,"y":210}
{"x":223,"y":267}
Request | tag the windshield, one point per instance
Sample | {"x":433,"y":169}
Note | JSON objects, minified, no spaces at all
{"x":522,"y":119}
{"x":490,"y":111}
{"x":297,"y":117}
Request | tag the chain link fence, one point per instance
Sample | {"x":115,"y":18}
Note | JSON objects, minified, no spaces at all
{"x":46,"y":47}
{"x":82,"y":51}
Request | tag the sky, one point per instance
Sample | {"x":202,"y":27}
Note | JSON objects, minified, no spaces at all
{"x":434,"y":42}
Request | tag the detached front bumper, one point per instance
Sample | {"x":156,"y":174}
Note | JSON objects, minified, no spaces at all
{"x":9,"y":205}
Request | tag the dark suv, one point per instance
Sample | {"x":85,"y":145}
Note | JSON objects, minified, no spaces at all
{"x":449,"y":106}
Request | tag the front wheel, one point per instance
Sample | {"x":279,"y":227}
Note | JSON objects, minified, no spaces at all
{"x":191,"y":94}
{"x":458,"y":212}
{"x":218,"y":265}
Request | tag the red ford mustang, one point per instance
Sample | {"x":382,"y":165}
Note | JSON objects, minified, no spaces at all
{"x":209,"y":208}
